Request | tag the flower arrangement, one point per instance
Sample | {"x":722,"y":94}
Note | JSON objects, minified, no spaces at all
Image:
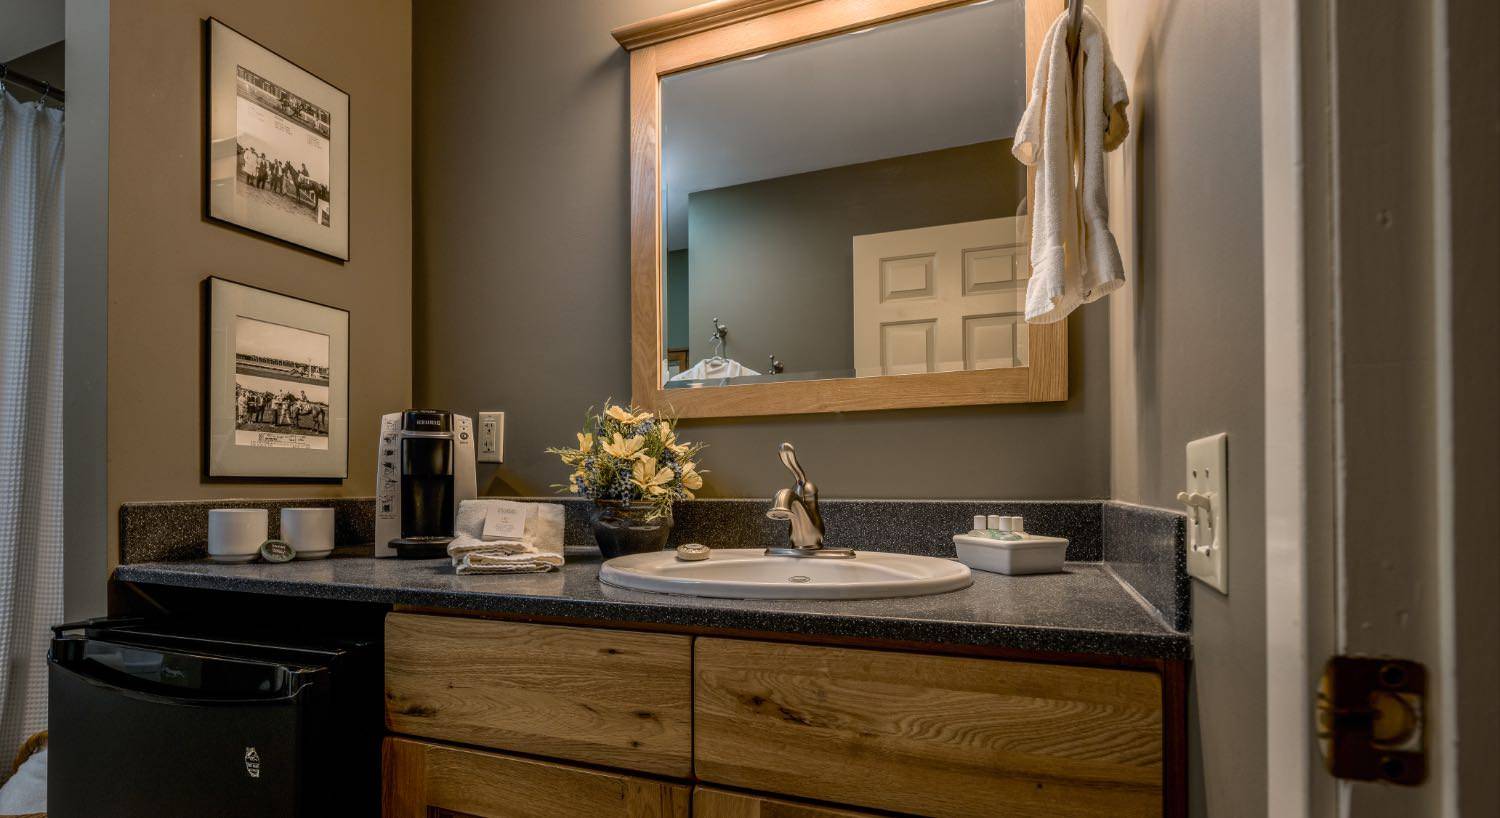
{"x":632,"y":457}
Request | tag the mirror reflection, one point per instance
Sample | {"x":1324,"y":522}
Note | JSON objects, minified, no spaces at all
{"x":848,"y":207}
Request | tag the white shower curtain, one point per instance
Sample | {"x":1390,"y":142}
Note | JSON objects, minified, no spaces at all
{"x":31,"y":392}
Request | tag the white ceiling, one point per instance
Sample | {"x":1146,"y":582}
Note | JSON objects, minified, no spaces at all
{"x":26,"y":25}
{"x":935,"y":81}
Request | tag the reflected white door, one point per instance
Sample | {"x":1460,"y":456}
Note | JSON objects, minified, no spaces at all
{"x":938,"y":299}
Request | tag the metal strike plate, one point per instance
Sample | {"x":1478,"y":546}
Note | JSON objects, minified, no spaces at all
{"x":1371,"y":719}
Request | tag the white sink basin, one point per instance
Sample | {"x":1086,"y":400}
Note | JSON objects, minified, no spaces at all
{"x":747,"y":573}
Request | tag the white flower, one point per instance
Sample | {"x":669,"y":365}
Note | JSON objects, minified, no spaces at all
{"x":669,"y":440}
{"x":622,"y":447}
{"x":651,"y":479}
{"x":623,"y":416}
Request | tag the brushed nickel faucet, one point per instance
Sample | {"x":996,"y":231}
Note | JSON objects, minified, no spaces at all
{"x":799,"y":505}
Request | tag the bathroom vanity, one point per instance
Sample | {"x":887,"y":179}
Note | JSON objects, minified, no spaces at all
{"x":554,"y":694}
{"x":875,"y":728}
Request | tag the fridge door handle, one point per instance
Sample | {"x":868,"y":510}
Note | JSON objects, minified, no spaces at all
{"x":95,"y":622}
{"x":162,"y":698}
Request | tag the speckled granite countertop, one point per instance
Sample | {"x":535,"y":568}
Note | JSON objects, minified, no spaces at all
{"x":1084,"y":610}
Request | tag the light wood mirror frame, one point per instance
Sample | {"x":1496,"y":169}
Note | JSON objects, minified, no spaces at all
{"x":727,"y":29}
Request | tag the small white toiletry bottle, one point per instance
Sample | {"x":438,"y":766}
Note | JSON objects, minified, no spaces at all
{"x":997,"y":527}
{"x":979,"y":526}
{"x":1009,"y":529}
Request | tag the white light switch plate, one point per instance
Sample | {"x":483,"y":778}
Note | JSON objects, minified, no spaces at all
{"x":490,"y":438}
{"x":1208,"y":529}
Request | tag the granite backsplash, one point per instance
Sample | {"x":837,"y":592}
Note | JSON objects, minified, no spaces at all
{"x":1147,"y":548}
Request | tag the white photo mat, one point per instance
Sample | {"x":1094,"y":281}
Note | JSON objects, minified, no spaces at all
{"x":289,"y":358}
{"x":233,"y":60}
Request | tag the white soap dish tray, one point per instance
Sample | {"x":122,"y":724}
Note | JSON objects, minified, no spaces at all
{"x":1029,"y":555}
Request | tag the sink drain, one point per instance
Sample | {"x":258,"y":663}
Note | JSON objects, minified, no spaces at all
{"x":799,"y":578}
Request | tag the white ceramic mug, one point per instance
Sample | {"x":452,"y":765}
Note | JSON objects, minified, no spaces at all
{"x":309,"y":531}
{"x":236,"y":534}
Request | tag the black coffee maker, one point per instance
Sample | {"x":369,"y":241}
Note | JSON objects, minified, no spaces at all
{"x":427,"y":457}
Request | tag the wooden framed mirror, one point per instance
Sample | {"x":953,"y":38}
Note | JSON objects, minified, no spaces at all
{"x":843,"y":168}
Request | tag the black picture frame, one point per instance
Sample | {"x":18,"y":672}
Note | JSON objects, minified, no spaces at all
{"x":290,"y":202}
{"x":283,"y":444}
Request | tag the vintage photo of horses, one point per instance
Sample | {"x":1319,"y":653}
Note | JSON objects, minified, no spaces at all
{"x":277,"y":146}
{"x":281,"y":149}
{"x":280,"y":386}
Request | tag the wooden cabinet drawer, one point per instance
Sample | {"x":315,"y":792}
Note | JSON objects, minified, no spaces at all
{"x":616,"y":698}
{"x":422,"y":779}
{"x":712,"y":803}
{"x":931,"y":735}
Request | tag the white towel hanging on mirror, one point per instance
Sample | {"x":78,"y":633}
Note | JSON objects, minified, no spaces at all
{"x":1076,"y":113}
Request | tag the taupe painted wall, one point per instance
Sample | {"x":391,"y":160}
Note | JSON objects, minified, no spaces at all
{"x":161,"y":248}
{"x":522,"y":281}
{"x":28,"y":26}
{"x":1475,"y":299}
{"x":677,"y":299}
{"x":774,"y":258}
{"x":1186,"y":339}
{"x":86,"y":525}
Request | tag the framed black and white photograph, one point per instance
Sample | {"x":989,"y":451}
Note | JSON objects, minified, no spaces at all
{"x":278,"y":152}
{"x":278,"y":385}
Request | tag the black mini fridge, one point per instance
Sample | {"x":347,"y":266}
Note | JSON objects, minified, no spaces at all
{"x":161,"y":719}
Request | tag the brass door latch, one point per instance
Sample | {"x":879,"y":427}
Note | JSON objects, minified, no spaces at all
{"x":1371,"y":719}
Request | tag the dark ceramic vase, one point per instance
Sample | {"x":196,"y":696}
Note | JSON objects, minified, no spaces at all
{"x":622,"y":528}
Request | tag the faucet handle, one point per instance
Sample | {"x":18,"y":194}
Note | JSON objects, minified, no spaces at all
{"x":789,"y":459}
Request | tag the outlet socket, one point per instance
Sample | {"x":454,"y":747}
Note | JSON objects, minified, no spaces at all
{"x":490,"y":438}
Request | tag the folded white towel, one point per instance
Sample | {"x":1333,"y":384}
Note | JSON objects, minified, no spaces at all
{"x":482,"y":562}
{"x":1076,"y":113}
{"x":540,"y":547}
{"x":464,"y":544}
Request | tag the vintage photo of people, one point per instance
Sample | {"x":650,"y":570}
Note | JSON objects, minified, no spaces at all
{"x":280,"y":386}
{"x":282,"y":148}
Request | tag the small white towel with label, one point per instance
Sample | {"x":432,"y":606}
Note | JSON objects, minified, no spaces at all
{"x":1076,"y":114}
{"x":496,"y":536}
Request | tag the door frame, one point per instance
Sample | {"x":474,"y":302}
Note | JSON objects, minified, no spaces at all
{"x":1360,"y":195}
{"x":1298,"y":405}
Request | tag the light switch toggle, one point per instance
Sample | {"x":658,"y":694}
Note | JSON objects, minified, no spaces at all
{"x":1196,"y":502}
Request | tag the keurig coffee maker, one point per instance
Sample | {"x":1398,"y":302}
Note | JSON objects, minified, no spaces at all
{"x":425,"y":467}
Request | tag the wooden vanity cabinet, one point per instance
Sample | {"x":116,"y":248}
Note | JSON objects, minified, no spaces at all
{"x":561,"y":720}
{"x":932,"y":735}
{"x":422,"y":780}
{"x":615,"y":698}
{"x":709,"y":802}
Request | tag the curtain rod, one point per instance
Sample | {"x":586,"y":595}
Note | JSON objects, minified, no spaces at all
{"x":31,"y":84}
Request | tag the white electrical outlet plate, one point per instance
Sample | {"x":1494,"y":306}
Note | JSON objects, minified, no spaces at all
{"x":1208,"y":528}
{"x":490,"y":438}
